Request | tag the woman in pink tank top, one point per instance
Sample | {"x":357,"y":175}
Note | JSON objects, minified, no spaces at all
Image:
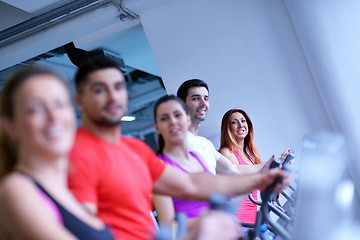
{"x":237,"y":144}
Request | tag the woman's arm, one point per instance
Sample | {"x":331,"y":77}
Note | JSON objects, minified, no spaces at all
{"x":228,"y":164}
{"x":25,"y":215}
{"x":229,"y":155}
{"x":164,"y":209}
{"x":214,"y":225}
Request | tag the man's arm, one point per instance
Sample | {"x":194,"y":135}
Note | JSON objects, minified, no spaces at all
{"x":199,"y":186}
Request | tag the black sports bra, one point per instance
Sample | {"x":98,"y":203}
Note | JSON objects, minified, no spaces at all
{"x":77,"y":227}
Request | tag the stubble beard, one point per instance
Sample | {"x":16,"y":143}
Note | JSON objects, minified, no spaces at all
{"x":200,"y":118}
{"x":195,"y":116}
{"x":108,"y":121}
{"x":197,"y":119}
{"x":105,"y":122}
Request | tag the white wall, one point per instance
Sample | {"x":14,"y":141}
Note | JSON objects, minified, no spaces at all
{"x":249,"y":54}
{"x":330,"y":35}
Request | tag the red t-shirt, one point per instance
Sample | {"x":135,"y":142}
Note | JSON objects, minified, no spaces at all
{"x":118,"y":179}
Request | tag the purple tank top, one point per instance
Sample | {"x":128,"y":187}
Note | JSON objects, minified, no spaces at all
{"x":191,"y":208}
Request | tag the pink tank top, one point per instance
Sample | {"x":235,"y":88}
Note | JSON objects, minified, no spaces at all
{"x":247,"y":210}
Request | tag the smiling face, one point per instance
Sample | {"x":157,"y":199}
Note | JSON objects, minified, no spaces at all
{"x":197,"y":101}
{"x":44,"y":119}
{"x":104,"y":98}
{"x":172,"y":122}
{"x":238,"y":126}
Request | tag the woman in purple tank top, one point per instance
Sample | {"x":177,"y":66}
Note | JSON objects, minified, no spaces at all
{"x":171,"y":123}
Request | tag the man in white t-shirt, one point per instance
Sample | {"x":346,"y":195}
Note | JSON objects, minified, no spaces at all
{"x":195,"y":94}
{"x":205,"y":148}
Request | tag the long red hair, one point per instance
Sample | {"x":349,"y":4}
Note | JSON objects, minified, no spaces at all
{"x":228,"y":140}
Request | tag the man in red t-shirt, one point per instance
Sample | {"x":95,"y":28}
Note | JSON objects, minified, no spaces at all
{"x":114,"y":176}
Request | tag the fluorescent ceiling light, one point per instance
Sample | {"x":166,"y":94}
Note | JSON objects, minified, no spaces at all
{"x":128,"y":118}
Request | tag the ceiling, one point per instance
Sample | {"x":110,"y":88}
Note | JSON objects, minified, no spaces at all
{"x":34,"y":7}
{"x":123,"y":38}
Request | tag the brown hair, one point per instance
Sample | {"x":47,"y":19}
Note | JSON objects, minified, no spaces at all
{"x":228,"y":140}
{"x":8,"y":150}
{"x":99,"y":63}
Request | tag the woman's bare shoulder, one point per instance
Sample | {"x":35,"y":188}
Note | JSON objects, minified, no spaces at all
{"x":23,"y":211}
{"x":14,"y":181}
{"x":14,"y":186}
{"x":225,"y":150}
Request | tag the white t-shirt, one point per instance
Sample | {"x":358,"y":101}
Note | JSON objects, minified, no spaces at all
{"x":205,"y":148}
